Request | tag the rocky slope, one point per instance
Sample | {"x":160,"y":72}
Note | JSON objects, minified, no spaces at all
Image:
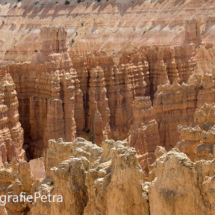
{"x":109,"y":26}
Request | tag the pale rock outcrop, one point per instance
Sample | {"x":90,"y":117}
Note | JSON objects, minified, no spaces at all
{"x":105,"y":180}
{"x":37,"y":168}
{"x":109,"y":183}
{"x":16,"y":178}
{"x":176,"y":180}
{"x":59,"y":150}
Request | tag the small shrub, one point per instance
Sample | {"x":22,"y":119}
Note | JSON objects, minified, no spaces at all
{"x":79,"y":1}
{"x":2,"y":21}
{"x":35,"y":50}
{"x":82,"y":24}
{"x":73,"y":40}
{"x":76,"y":33}
{"x":36,"y":2}
{"x":98,"y":0}
{"x":67,"y":2}
{"x":52,"y":183}
{"x":19,"y":0}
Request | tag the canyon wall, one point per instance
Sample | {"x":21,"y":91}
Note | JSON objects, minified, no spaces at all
{"x":91,"y":97}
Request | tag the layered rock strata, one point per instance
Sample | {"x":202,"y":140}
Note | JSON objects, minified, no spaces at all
{"x":172,"y":105}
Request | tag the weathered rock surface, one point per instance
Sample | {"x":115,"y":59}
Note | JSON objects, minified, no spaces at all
{"x":176,"y":180}
{"x":172,"y":105}
{"x":11,"y":132}
{"x":95,"y":180}
{"x":144,"y":134}
{"x":108,"y":180}
{"x":198,"y":140}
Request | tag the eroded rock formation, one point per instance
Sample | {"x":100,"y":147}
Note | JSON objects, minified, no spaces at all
{"x":176,"y":180}
{"x":174,"y":104}
{"x":198,"y":140}
{"x":100,"y":180}
{"x":11,"y":132}
{"x":192,"y":31}
{"x":108,"y":180}
{"x":144,"y":134}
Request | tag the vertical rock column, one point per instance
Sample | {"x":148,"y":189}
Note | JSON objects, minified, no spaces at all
{"x":144,"y":132}
{"x":98,"y":104}
{"x":158,"y":73}
{"x":11,"y":131}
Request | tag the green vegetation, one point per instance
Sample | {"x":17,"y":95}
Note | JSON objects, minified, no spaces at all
{"x":67,"y":2}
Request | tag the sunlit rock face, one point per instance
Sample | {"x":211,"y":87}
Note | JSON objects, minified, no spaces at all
{"x":144,"y":133}
{"x":198,"y":140}
{"x":11,"y":132}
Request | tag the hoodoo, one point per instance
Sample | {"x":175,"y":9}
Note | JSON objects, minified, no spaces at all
{"x":107,"y":107}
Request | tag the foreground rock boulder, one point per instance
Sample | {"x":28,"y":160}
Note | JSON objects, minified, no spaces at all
{"x":108,"y":180}
{"x":93,"y":180}
{"x":179,"y":186}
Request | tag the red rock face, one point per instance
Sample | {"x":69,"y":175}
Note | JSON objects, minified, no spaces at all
{"x":144,"y":134}
{"x":198,"y":140}
{"x":11,"y":132}
{"x":94,"y":95}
